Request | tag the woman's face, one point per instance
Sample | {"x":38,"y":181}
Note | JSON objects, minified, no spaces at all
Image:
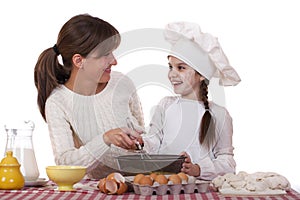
{"x":98,"y":69}
{"x":184,"y":79}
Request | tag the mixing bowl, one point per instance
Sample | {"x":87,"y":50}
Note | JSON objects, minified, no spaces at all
{"x":65,"y":176}
{"x":147,"y":163}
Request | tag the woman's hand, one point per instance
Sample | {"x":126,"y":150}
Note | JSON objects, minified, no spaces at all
{"x":123,"y":138}
{"x":188,"y":167}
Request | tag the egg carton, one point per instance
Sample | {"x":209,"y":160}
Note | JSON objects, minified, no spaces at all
{"x":199,"y":186}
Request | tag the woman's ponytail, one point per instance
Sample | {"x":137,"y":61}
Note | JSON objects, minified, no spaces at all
{"x":48,"y":74}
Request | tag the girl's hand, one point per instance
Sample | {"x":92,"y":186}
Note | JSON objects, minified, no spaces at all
{"x":188,"y":167}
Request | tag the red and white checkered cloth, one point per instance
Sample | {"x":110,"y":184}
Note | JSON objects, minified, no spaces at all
{"x":90,"y":192}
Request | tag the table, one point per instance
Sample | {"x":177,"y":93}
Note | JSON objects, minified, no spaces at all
{"x":87,"y":190}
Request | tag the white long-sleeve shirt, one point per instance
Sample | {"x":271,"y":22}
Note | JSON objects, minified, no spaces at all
{"x":175,"y":128}
{"x":77,"y":123}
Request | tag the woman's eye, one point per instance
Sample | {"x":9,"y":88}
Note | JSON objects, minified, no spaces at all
{"x":170,"y":67}
{"x":107,"y":53}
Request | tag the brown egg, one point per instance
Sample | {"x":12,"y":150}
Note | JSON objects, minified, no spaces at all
{"x":122,"y":188}
{"x":116,"y":176}
{"x":137,"y":178}
{"x":161,"y":179}
{"x":175,"y":179}
{"x":146,"y":180}
{"x":111,"y":186}
{"x":153,"y":175}
{"x":101,"y":185}
{"x":183,"y":176}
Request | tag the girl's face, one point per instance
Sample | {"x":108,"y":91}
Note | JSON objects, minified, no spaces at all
{"x":184,"y":79}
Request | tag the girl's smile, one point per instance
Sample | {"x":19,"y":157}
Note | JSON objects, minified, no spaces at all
{"x":176,"y":83}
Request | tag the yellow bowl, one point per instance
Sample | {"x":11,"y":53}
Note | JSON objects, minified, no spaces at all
{"x":65,"y":176}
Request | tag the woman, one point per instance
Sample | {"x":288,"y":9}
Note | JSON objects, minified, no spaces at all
{"x":84,"y":103}
{"x":190,"y":122}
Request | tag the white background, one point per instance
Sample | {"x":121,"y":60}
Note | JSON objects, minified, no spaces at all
{"x":260,"y":38}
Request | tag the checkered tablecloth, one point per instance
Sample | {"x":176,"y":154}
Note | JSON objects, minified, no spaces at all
{"x":87,"y":190}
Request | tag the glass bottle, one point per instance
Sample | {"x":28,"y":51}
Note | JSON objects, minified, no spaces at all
{"x":19,"y":141}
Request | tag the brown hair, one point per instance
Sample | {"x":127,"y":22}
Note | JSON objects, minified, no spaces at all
{"x":80,"y":35}
{"x":207,"y":129}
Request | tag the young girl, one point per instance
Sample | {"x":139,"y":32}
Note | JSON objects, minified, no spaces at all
{"x":189,"y":124}
{"x":84,"y":103}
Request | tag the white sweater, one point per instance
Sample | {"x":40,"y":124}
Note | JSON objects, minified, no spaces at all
{"x":77,"y":123}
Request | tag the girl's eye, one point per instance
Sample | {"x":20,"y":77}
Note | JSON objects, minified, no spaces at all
{"x":181,"y":67}
{"x":170,"y":67}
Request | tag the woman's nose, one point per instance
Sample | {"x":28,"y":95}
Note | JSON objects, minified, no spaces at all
{"x":114,"y":61}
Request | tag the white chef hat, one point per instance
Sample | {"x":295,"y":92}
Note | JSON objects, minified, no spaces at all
{"x":201,"y":51}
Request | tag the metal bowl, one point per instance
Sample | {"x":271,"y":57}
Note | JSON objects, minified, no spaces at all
{"x":148,"y":163}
